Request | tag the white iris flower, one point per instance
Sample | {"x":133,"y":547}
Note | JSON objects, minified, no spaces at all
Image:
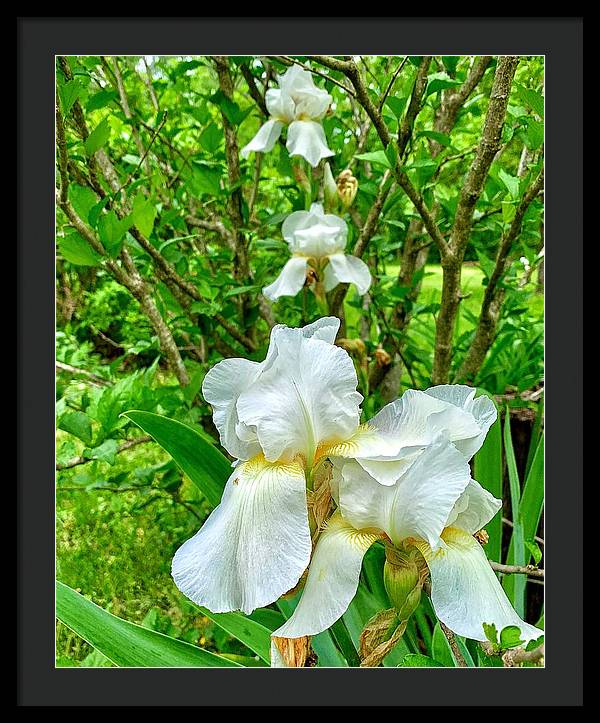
{"x":279,"y":418}
{"x":423,"y":492}
{"x":317,"y":239}
{"x":299,"y":104}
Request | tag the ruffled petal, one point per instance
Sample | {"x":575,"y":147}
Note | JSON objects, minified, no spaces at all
{"x":315,"y":233}
{"x":465,"y":591}
{"x":473,"y":509}
{"x":319,"y":240}
{"x":390,"y":442}
{"x":325,"y":329}
{"x":403,"y":428}
{"x":305,"y":398}
{"x":332,"y":580}
{"x":221,"y":388}
{"x":418,"y":505}
{"x":296,"y":221}
{"x":290,"y":280}
{"x":482,"y":409}
{"x":265,"y":139}
{"x":307,"y":139}
{"x":347,"y":269}
{"x":254,"y":546}
{"x":280,"y":105}
{"x":309,"y":101}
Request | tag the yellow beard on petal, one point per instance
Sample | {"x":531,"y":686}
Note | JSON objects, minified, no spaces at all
{"x":348,"y":447}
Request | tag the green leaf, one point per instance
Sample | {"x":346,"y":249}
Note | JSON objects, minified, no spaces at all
{"x":511,"y":183}
{"x":240,"y":290}
{"x":440,"y":81}
{"x":101,"y":99}
{"x":205,"y":308}
{"x":391,"y":153}
{"x":131,"y":159}
{"x":532,"y":499}
{"x":531,"y":98}
{"x":69,"y":92}
{"x":450,"y":62}
{"x":340,"y":634}
{"x":442,"y":652}
{"x":535,"y":551}
{"x":535,"y":435}
{"x":205,"y":179}
{"x":488,"y":661}
{"x":415,"y":660}
{"x":78,"y":424}
{"x":95,"y":211}
{"x":198,"y":458}
{"x":126,"y":644}
{"x":441,"y":138}
{"x":530,"y":509}
{"x":518,"y":586}
{"x":329,"y":656}
{"x":192,"y":389}
{"x":98,"y":137}
{"x":112,"y":232}
{"x":510,"y":637}
{"x":144,"y":213}
{"x":76,"y":250}
{"x":509,"y":209}
{"x":106,"y":452}
{"x":534,"y":136}
{"x":230,"y":108}
{"x":376,"y":157}
{"x":396,"y":105}
{"x":83,"y":199}
{"x":491,"y":633}
{"x":488,"y":472}
{"x":533,"y":644}
{"x":249,"y":632}
{"x":211,"y":138}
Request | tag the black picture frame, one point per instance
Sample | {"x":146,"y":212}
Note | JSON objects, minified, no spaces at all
{"x":559,"y":683}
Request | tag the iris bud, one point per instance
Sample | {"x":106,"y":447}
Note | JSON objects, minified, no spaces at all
{"x":347,"y":186}
{"x":404,"y":573}
{"x":330,"y":191}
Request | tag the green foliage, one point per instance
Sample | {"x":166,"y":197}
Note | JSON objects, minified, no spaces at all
{"x":127,"y":644}
{"x":122,"y":514}
{"x":194,"y":452}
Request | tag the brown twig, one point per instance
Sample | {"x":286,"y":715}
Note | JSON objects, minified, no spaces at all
{"x":491,"y":305}
{"x":93,"y":378}
{"x":516,"y":656}
{"x":517,"y":569}
{"x":391,"y":83}
{"x":76,"y":461}
{"x":286,"y":60}
{"x":458,"y":656}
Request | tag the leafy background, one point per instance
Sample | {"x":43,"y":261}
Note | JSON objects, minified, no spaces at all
{"x":123,"y":504}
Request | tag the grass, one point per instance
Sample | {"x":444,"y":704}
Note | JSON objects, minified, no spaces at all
{"x":116,"y":549}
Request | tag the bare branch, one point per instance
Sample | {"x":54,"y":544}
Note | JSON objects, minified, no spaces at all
{"x":516,"y":656}
{"x":287,"y":60}
{"x":93,"y":378}
{"x":450,"y":637}
{"x":530,"y":570}
{"x":493,"y":296}
{"x":463,"y":219}
{"x":393,"y":79}
{"x":367,"y":232}
{"x":76,"y":461}
{"x":416,"y":101}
